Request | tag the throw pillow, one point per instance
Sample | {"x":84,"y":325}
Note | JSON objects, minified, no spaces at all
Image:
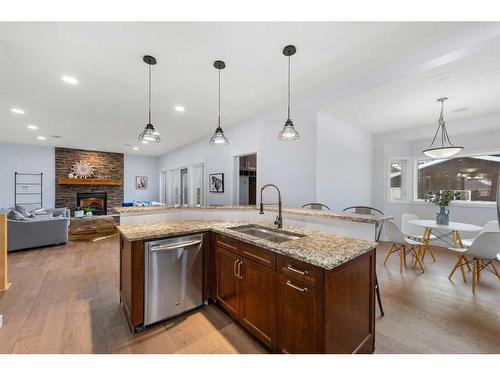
{"x":16,"y":215}
{"x":40,"y":211}
{"x":59,"y":211}
{"x":24,"y":210}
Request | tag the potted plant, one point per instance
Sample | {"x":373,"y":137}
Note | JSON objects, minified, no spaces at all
{"x":88,"y":211}
{"x":443,"y":199}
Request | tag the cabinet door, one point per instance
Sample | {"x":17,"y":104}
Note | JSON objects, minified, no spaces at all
{"x":299,"y":318}
{"x":258,"y":301}
{"x":227,"y":288}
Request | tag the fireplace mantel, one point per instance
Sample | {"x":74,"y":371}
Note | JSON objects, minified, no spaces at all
{"x":88,"y":181}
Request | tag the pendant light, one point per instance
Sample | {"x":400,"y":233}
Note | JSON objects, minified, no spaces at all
{"x":446,"y":149}
{"x":149,"y":134}
{"x":288,"y":133}
{"x":219,"y":138}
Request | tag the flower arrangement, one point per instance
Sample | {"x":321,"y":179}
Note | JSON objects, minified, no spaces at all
{"x":442,"y":198}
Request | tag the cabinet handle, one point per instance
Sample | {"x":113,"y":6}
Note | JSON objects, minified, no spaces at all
{"x":296,"y":270}
{"x":240,"y":276}
{"x":304,"y":289}
{"x":234,"y":268}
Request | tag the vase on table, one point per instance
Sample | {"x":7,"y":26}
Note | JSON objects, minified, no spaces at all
{"x":443,"y":216}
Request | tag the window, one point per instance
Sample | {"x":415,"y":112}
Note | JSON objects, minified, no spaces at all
{"x":397,"y":180}
{"x":474,"y":177}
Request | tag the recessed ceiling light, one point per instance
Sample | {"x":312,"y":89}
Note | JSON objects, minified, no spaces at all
{"x":32,"y":127}
{"x":70,"y":80}
{"x":135,"y":148}
{"x":441,"y":77}
{"x":180,"y":108}
{"x":17,"y":110}
{"x":41,"y":138}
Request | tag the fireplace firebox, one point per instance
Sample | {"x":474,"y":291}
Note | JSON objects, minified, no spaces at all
{"x":98,"y":202}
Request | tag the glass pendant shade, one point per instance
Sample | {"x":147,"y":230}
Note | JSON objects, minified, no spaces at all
{"x":219,"y":138}
{"x":149,"y":134}
{"x":288,"y":133}
{"x":446,"y":149}
{"x":442,"y":152}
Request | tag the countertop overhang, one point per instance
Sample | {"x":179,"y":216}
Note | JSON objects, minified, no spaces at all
{"x":371,"y":219}
{"x":321,"y":249}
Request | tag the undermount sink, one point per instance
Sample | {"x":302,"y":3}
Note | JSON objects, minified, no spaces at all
{"x":277,"y":236}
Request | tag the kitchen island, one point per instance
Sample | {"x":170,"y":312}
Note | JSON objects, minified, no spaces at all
{"x":312,"y":294}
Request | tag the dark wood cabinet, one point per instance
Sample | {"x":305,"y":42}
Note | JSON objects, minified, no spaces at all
{"x":300,"y":317}
{"x":132,"y":281}
{"x":289,"y":305}
{"x":258,"y":301}
{"x":227,"y":283}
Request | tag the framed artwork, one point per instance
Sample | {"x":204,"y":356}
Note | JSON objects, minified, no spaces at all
{"x":216,"y":182}
{"x":141,"y":182}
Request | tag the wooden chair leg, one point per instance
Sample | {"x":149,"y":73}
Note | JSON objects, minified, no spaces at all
{"x":495,"y":269}
{"x":389,"y":253}
{"x":462,"y":267}
{"x":417,"y":259}
{"x":457,"y":264}
{"x":430,"y":252}
{"x":474,"y":275}
{"x":401,"y":255}
{"x":478,"y":272}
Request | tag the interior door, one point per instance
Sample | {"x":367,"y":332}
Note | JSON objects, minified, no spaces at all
{"x":258,"y":301}
{"x":227,"y":288}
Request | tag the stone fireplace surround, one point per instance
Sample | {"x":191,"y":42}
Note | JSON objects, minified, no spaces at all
{"x":105,"y":163}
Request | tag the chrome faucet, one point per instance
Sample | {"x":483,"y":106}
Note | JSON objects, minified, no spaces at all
{"x":279,"y":218}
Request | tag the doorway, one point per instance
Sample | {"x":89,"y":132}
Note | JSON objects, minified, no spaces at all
{"x":248,"y":179}
{"x":184,"y":187}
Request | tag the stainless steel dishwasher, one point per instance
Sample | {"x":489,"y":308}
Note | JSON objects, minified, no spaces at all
{"x":173,"y":277}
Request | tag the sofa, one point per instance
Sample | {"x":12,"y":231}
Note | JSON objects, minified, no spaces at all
{"x":27,"y":230}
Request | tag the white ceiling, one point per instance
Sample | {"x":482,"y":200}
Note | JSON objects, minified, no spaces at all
{"x":472,"y":85}
{"x":108,"y":108}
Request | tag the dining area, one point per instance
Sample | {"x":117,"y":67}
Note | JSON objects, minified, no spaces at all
{"x":476,"y":248}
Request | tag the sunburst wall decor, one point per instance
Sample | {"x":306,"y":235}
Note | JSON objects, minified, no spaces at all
{"x":83,"y":169}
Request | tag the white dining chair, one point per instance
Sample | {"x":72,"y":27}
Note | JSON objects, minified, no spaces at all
{"x":490,"y":226}
{"x":402,"y":245}
{"x":481,"y":254}
{"x":417,"y":233}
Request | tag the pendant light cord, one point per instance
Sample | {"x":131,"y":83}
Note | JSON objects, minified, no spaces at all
{"x":149,"y":94}
{"x":288,"y":87}
{"x":218,"y":108}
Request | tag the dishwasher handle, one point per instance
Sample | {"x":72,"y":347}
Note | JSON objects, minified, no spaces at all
{"x":175,"y":246}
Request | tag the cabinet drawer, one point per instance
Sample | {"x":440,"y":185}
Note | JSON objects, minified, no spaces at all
{"x":303,"y":272}
{"x":227,"y":243}
{"x":259,"y":255}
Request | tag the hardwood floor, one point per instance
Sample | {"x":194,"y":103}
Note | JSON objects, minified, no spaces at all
{"x":65,"y":300}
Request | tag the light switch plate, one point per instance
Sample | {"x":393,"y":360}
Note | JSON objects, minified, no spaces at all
{"x":1,"y":320}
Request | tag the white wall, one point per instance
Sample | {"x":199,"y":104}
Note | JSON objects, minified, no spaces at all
{"x":26,"y":159}
{"x":344,"y":164}
{"x":36,"y":159}
{"x":400,"y":144}
{"x":135,"y":165}
{"x":289,"y":165}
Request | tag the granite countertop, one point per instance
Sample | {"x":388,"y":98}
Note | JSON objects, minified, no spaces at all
{"x":318,"y":248}
{"x":294,"y":211}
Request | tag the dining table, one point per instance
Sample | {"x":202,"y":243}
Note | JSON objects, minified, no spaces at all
{"x":449,"y":234}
